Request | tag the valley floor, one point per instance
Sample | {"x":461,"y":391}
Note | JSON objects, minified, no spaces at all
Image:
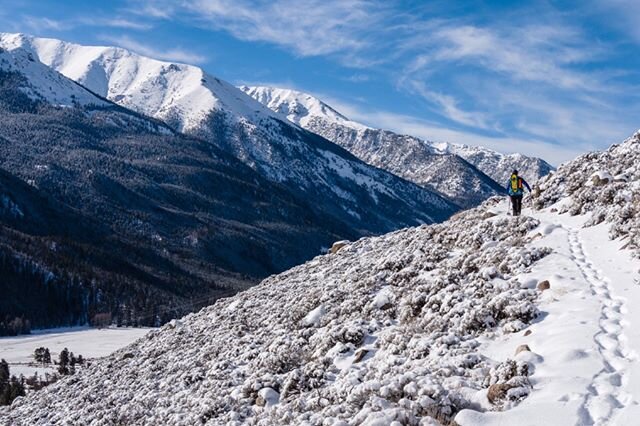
{"x":585,"y":345}
{"x":91,"y":343}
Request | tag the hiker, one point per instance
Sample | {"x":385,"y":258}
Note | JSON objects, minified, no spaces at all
{"x":516,"y":191}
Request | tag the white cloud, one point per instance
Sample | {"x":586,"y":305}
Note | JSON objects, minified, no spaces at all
{"x":448,"y":106}
{"x":39,"y":24}
{"x":522,"y":53}
{"x":115,"y":23}
{"x":174,"y":54}
{"x":308,"y":27}
{"x":539,"y":85}
{"x":358,"y":78}
{"x":621,"y":15}
{"x":150,"y":10}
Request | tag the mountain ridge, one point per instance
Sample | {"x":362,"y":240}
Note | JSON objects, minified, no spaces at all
{"x":236,"y":123}
{"x":412,"y":158}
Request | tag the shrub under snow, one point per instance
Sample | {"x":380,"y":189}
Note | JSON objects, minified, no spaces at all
{"x":605,"y":184}
{"x":384,"y":330}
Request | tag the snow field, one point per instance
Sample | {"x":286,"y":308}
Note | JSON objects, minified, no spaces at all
{"x":91,"y":343}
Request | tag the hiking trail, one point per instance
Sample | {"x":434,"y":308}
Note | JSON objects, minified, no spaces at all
{"x":606,"y":393}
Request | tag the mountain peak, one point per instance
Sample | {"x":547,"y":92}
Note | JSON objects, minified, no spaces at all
{"x":181,"y":95}
{"x":299,"y":107}
{"x":317,"y":116}
{"x":40,"y":82}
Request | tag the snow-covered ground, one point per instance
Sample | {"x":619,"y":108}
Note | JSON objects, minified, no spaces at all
{"x":91,"y":343}
{"x":417,"y":327}
{"x":585,"y":344}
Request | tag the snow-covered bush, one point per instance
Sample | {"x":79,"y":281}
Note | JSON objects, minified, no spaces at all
{"x":605,"y":185}
{"x":383,"y":330}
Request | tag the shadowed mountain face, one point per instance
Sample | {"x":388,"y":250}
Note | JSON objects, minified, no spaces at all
{"x":330,"y":179}
{"x":148,"y":223}
{"x":155,"y":219}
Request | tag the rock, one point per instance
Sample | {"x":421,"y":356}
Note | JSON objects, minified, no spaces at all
{"x":337,"y":246}
{"x":536,"y":236}
{"x":553,"y":210}
{"x":127,"y":355}
{"x":621,"y":178}
{"x":536,"y":191}
{"x":600,"y":178}
{"x":523,"y":348}
{"x":360,"y":354}
{"x":386,"y":306}
{"x":498,"y":392}
{"x":488,"y":215}
{"x":544,"y":285}
{"x":267,"y":397}
{"x":527,"y":333}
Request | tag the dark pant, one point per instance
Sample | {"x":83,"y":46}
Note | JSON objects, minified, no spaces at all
{"x":516,"y":203}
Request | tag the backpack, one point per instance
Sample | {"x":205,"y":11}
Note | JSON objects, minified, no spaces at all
{"x":516,"y":184}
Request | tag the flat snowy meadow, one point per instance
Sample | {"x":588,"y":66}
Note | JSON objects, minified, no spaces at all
{"x":91,"y":343}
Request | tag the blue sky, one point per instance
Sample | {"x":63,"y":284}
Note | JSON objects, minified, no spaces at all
{"x":549,"y":78}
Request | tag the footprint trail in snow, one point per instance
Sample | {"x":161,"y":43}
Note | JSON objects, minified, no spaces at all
{"x":606,"y":393}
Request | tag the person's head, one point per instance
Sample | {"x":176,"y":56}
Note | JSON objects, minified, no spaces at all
{"x":515,"y":172}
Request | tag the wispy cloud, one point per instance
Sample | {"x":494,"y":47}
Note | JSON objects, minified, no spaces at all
{"x":621,"y":15}
{"x":358,"y":78}
{"x":525,"y":53}
{"x":151,"y":10}
{"x":307,"y":27}
{"x":115,"y":23}
{"x":448,"y":106}
{"x":174,"y":54}
{"x":37,"y":24}
{"x":431,"y":131}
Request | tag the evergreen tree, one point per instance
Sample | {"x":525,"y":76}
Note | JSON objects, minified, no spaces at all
{"x":16,"y":388}
{"x":42,"y":355}
{"x":4,"y":372}
{"x":10,"y":386}
{"x":63,"y":363}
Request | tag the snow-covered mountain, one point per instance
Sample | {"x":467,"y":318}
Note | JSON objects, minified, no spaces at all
{"x":497,"y":165}
{"x":180,"y":95}
{"x":458,"y":171}
{"x":365,"y":199}
{"x":39,"y":83}
{"x":483,"y":319}
{"x":103,"y":209}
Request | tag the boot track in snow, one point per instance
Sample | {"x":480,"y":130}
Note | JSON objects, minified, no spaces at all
{"x":606,"y":394}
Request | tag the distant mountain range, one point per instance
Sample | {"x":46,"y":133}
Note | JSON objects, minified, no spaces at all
{"x":466,"y":175}
{"x":201,"y":105}
{"x":198,"y":189}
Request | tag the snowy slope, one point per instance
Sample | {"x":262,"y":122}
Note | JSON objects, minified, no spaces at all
{"x":179,"y":94}
{"x":42,"y":83}
{"x":414,"y":159}
{"x":586,"y":348}
{"x":365,"y":199}
{"x":419,"y":326}
{"x":497,"y":165}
